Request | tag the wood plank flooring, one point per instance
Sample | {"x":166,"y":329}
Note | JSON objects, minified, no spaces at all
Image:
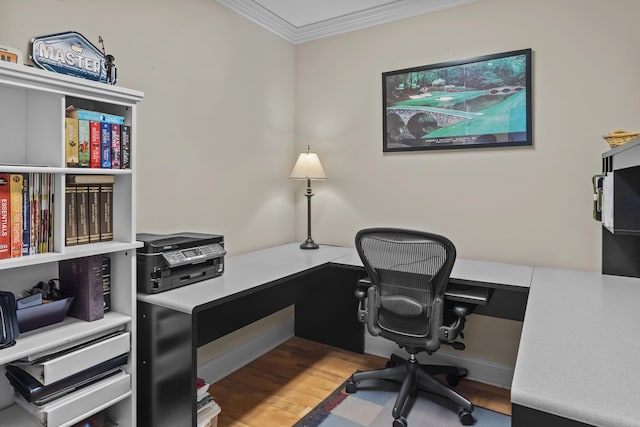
{"x":279,"y":388}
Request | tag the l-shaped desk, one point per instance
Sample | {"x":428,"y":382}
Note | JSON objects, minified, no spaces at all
{"x":576,"y":363}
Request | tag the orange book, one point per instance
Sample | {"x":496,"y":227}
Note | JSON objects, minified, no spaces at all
{"x":15,"y":221}
{"x":5,"y":210}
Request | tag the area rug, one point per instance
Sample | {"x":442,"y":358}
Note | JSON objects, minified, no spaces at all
{"x":372,"y":404}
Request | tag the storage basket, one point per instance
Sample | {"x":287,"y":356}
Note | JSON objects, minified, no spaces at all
{"x":619,"y":137}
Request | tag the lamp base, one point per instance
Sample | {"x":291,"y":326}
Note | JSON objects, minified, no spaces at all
{"x":309,"y":244}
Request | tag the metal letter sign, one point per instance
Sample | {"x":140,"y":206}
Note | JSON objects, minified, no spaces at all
{"x":71,"y":53}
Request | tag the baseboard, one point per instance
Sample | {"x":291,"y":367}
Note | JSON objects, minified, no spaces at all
{"x":484,"y":371}
{"x":223,"y":365}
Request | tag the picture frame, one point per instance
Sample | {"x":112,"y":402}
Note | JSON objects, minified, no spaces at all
{"x":473,"y":103}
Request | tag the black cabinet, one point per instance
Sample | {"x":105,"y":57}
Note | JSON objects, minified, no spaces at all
{"x":621,"y":238}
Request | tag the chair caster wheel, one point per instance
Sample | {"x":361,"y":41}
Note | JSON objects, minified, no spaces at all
{"x":350,"y":387}
{"x":466,"y":419}
{"x":400,"y":422}
{"x":453,"y":380}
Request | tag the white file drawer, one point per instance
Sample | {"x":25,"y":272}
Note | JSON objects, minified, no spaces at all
{"x":50,"y":370}
{"x":80,"y":404}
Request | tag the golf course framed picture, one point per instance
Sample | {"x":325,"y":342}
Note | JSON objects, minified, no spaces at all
{"x":472,"y":103}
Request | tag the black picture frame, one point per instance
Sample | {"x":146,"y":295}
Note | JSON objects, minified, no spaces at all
{"x":472,"y":103}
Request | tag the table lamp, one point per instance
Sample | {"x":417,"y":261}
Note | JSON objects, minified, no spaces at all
{"x":308,"y":167}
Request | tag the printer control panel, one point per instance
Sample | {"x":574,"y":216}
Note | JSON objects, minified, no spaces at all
{"x":193,"y":254}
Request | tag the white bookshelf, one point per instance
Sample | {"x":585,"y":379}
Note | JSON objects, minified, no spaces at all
{"x":32,"y":106}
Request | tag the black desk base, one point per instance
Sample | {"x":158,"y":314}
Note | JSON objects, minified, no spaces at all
{"x":325,"y":311}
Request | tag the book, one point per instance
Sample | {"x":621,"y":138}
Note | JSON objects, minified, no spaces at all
{"x":94,"y":116}
{"x":125,"y":147}
{"x":16,"y":214}
{"x":71,"y":215}
{"x":71,"y":142}
{"x":82,"y":279}
{"x":105,"y":145}
{"x":90,"y":179}
{"x":26,"y":213}
{"x":106,"y":283}
{"x":5,"y":196}
{"x":106,"y":212}
{"x":94,"y":145}
{"x":94,"y":212}
{"x":83,"y":143}
{"x":82,"y":212}
{"x":115,"y":146}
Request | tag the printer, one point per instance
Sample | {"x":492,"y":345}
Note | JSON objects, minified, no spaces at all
{"x":168,"y":261}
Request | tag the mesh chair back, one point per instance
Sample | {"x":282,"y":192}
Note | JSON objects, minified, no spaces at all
{"x":410,"y":270}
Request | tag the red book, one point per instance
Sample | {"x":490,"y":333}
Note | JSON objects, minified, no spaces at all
{"x":5,"y":212}
{"x":16,"y":215}
{"x":94,"y":145}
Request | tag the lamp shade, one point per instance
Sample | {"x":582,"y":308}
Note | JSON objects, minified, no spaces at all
{"x":308,"y":166}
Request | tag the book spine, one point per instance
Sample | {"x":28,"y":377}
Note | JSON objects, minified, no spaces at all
{"x":83,"y":144}
{"x":94,"y":145}
{"x":5,"y":195}
{"x":106,"y":212}
{"x":125,"y":147}
{"x":96,"y":116}
{"x":105,"y":141}
{"x":71,"y":218}
{"x":71,"y":142}
{"x":106,"y":283}
{"x":51,"y":216}
{"x":115,"y":146}
{"x":16,"y":215}
{"x":82,"y":213}
{"x":26,"y":213}
{"x":35,"y":212}
{"x":94,"y":213}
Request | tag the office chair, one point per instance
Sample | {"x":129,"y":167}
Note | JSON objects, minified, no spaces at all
{"x":403,"y":300}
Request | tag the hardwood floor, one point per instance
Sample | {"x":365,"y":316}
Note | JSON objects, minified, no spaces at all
{"x":280,"y":387}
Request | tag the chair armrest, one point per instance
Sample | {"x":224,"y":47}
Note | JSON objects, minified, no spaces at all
{"x":361,"y":294}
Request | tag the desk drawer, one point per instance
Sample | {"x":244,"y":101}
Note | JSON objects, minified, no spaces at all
{"x":82,"y":403}
{"x":48,"y":370}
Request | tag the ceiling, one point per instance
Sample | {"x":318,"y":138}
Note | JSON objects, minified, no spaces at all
{"x":299,"y":21}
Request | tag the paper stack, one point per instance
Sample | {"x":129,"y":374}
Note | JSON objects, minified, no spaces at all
{"x":207,"y":408}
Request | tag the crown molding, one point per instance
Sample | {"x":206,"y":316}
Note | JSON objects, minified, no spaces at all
{"x":399,"y":9}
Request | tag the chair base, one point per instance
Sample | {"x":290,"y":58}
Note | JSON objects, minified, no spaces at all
{"x":413,"y":376}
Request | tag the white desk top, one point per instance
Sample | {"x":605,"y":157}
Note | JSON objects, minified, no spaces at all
{"x":579,"y":350}
{"x":244,"y":272}
{"x":489,"y":273}
{"x":247,"y":271}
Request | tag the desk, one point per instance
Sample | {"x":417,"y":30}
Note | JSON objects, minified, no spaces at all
{"x":579,"y":351}
{"x":321,"y":284}
{"x":576,"y":365}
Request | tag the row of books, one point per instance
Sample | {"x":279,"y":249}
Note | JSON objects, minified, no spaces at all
{"x":88,"y":209}
{"x":96,"y":140}
{"x":207,"y":409}
{"x":26,"y":214}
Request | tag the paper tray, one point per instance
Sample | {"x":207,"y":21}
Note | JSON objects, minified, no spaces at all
{"x":42,"y":315}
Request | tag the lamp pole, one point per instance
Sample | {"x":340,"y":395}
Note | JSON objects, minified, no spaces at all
{"x":309,"y":243}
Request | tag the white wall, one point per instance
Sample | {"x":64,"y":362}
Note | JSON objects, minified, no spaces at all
{"x":216,"y":126}
{"x":521,"y":205}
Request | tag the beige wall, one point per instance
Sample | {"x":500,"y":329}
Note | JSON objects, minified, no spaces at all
{"x":521,"y":205}
{"x":216,"y":126}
